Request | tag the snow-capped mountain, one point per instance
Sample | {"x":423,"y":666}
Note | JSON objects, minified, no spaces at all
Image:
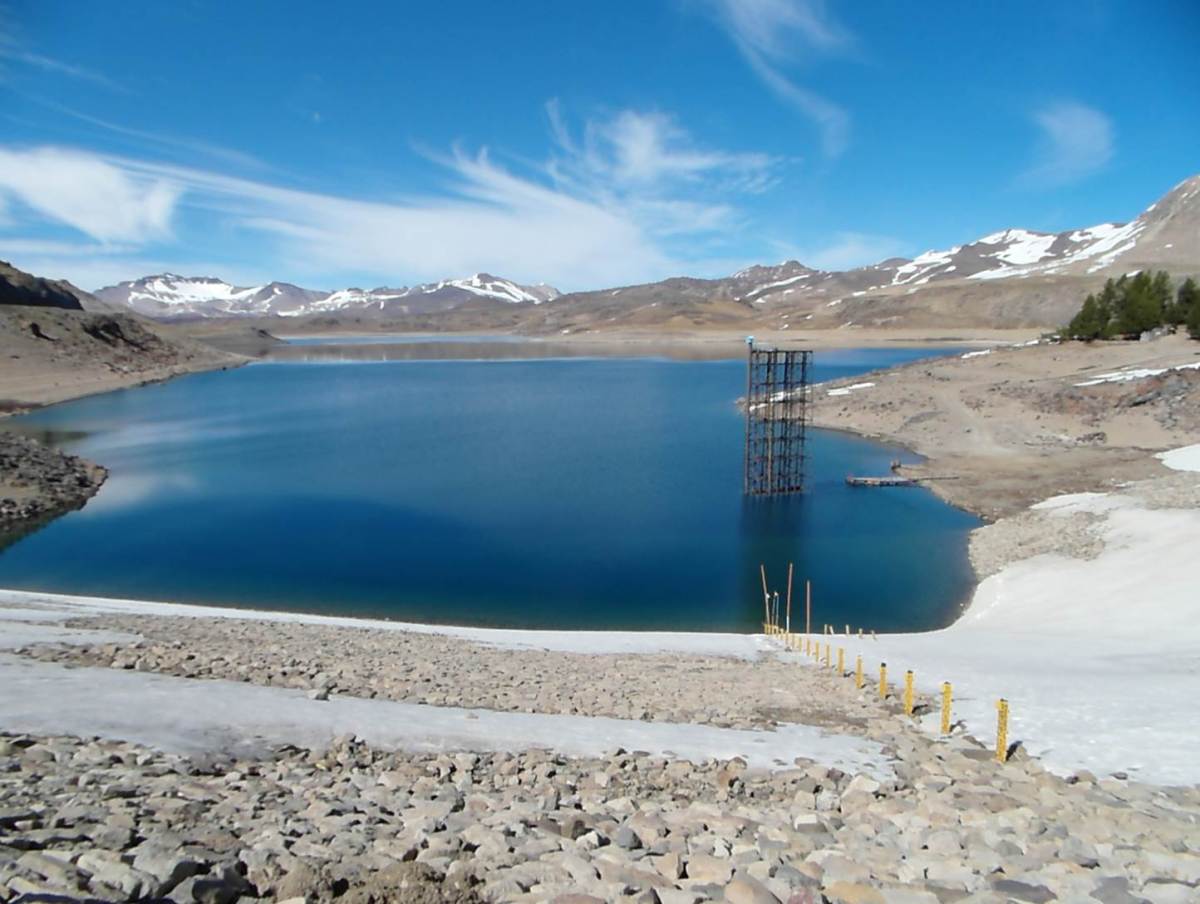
{"x":167,"y":296}
{"x":1013,"y":277}
{"x":1167,"y":232}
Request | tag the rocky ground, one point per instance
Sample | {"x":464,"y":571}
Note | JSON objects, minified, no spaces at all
{"x":114,"y":821}
{"x":439,"y":670}
{"x":1036,"y":532}
{"x":1004,"y":429}
{"x":38,"y":483}
{"x":50,"y":354}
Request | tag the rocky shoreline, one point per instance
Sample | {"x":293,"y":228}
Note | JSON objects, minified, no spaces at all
{"x":39,"y":483}
{"x":111,"y":820}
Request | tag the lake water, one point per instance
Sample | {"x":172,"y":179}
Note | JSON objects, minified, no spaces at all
{"x":575,"y":493}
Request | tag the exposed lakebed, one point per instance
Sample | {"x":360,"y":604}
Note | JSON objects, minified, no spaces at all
{"x":524,"y":491}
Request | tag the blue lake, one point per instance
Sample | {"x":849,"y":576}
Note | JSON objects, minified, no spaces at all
{"x":574,"y":493}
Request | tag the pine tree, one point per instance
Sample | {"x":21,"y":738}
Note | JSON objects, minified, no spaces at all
{"x":1161,"y":290}
{"x":1106,"y":306}
{"x":1193,"y":320}
{"x":1087,"y":324}
{"x":1186,"y":299}
{"x":1138,"y":307}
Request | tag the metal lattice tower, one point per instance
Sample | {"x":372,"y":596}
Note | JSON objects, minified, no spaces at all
{"x":777,"y":400}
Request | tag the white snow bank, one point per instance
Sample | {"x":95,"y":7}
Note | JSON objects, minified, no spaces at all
{"x":745,"y":646}
{"x":1097,"y":658}
{"x":193,"y":715}
{"x":1135,"y":373}
{"x":1185,"y":459}
{"x":978,"y":354}
{"x":846,"y":390}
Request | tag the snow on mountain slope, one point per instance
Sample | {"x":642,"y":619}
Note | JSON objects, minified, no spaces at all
{"x":1167,"y":233}
{"x":169,"y":296}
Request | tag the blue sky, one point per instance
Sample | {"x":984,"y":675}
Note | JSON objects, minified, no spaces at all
{"x":580,"y":144}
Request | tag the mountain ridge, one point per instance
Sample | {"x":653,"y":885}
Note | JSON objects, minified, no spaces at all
{"x":1013,"y":277}
{"x":169,"y":296}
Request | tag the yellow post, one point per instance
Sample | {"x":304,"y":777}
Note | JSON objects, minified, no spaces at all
{"x":841,"y":660}
{"x":947,"y":697}
{"x":1001,"y":730}
{"x":908,"y":693}
{"x":858,"y":674}
{"x":860,"y":633}
{"x":827,"y":646}
{"x":882,"y":680}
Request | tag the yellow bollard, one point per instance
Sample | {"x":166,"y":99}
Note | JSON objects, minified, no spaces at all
{"x":1001,"y":730}
{"x":947,"y":697}
{"x":858,"y":674}
{"x":882,"y":680}
{"x":860,"y":633}
{"x":908,"y":693}
{"x":841,"y":660}
{"x":827,"y":655}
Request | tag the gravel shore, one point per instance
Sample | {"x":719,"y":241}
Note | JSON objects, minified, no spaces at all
{"x":110,"y":820}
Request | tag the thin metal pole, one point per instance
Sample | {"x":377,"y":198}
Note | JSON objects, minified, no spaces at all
{"x":789,"y":599}
{"x":808,"y":607}
{"x":766,"y":595}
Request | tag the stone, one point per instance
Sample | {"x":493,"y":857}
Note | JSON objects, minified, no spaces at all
{"x":169,"y":868}
{"x":745,"y":890}
{"x":1023,"y":891}
{"x":861,"y":784}
{"x":853,"y":893}
{"x":809,"y":823}
{"x":627,"y":839}
{"x":678,"y":896}
{"x":54,"y":870}
{"x":1168,"y":892}
{"x":1114,"y":890}
{"x":706,"y":869}
{"x":668,"y":865}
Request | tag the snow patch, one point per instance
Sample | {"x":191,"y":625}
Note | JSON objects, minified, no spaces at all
{"x":1135,"y":373}
{"x":1184,"y":459}
{"x":846,"y":390}
{"x":1097,"y":658}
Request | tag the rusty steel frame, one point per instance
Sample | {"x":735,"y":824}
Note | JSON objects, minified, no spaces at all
{"x":777,"y":403}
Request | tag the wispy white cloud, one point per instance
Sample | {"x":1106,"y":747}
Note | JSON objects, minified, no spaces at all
{"x":103,"y":201}
{"x":635,"y":198}
{"x":11,"y":53}
{"x":193,"y":148}
{"x":1075,"y":141}
{"x":773,"y":35}
{"x":847,"y":250}
{"x":650,"y":151}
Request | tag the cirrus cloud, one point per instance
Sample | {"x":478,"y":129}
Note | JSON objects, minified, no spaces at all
{"x":773,"y":35}
{"x":1076,"y":141}
{"x":636,"y":198}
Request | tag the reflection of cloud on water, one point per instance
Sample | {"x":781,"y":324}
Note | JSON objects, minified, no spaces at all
{"x":154,"y":436}
{"x":121,"y":492}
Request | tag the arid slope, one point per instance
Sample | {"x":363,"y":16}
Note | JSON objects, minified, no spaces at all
{"x":1005,"y":428}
